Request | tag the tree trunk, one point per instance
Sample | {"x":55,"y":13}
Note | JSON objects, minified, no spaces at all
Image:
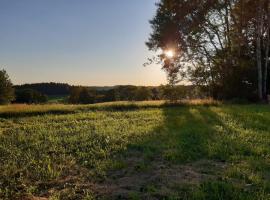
{"x":258,"y":51}
{"x":266,"y":53}
{"x":227,"y":32}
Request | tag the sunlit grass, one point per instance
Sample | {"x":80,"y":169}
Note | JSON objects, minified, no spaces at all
{"x":68,"y":151}
{"x":51,"y":108}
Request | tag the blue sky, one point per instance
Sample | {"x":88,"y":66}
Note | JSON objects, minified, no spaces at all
{"x":82,"y":42}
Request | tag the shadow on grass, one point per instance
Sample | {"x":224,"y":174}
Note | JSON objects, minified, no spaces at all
{"x":167,"y":157}
{"x":181,"y":158}
{"x":193,"y":141}
{"x":184,"y":136}
{"x":8,"y":115}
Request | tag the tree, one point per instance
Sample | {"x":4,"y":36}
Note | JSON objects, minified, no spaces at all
{"x":125,"y":93}
{"x":169,"y":93}
{"x":6,"y":90}
{"x":82,"y":95}
{"x":30,"y":96}
{"x":87,"y":96}
{"x":143,"y":94}
{"x":74,"y":95}
{"x":179,"y":26}
{"x":267,"y":47}
{"x":217,"y":44}
{"x":46,"y":88}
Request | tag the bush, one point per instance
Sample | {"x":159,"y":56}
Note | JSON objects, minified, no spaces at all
{"x":30,"y":96}
{"x":82,"y":95}
{"x":87,"y":96}
{"x":143,"y":94}
{"x":6,"y":90}
{"x":172,"y":93}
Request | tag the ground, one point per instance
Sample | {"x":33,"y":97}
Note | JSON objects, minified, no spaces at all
{"x":57,"y":98}
{"x":194,"y":150}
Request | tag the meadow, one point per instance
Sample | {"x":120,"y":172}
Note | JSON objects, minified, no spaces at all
{"x":124,"y":150}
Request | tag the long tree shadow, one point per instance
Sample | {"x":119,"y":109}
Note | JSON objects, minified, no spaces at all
{"x":184,"y":136}
{"x":176,"y":152}
{"x":10,"y":115}
{"x":193,"y":145}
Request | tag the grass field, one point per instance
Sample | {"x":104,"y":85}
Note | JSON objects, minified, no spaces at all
{"x":149,"y":150}
{"x":57,"y":98}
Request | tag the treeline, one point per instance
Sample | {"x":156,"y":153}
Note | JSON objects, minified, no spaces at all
{"x":46,"y":88}
{"x":40,"y":92}
{"x":85,"y":95}
{"x":29,"y":96}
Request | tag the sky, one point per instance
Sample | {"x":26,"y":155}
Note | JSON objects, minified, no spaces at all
{"x":80,"y":42}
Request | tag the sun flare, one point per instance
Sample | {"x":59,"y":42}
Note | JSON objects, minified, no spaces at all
{"x":169,"y":53}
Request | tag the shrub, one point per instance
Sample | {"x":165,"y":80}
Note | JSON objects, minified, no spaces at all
{"x":30,"y":96}
{"x":82,"y":95}
{"x":6,"y":90}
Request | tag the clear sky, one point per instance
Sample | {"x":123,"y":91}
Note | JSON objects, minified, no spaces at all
{"x":81,"y":42}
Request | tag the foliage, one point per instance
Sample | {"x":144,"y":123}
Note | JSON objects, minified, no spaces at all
{"x":6,"y":90}
{"x":64,"y":93}
{"x":132,"y":93}
{"x":48,"y":89}
{"x":179,"y":92}
{"x":151,"y":150}
{"x":82,"y":95}
{"x":30,"y":96}
{"x":85,"y":95}
{"x":216,"y":44}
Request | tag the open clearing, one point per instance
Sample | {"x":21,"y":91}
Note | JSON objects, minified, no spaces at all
{"x":135,"y":151}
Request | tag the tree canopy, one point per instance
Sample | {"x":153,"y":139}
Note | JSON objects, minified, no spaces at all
{"x":6,"y":90}
{"x":221,"y":44}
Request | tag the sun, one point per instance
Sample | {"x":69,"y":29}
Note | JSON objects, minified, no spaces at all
{"x":169,"y":53}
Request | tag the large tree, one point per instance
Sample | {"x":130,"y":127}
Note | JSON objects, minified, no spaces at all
{"x":6,"y":90}
{"x":216,"y":42}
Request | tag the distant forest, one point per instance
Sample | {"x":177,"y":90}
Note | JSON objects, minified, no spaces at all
{"x":46,"y":88}
{"x":41,"y":92}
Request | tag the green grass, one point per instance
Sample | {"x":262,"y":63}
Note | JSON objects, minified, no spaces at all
{"x":148,"y":150}
{"x":57,"y":98}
